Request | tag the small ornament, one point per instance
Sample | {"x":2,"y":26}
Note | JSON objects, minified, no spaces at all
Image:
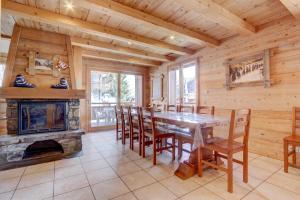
{"x":63,"y":84}
{"x":21,"y":82}
{"x":61,"y":65}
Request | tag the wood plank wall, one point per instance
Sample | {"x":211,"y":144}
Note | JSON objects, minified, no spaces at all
{"x":271,"y":116}
{"x":48,"y":45}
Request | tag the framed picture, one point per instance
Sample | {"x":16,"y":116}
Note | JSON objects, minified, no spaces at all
{"x":43,"y":64}
{"x":250,"y":70}
{"x":157,"y":87}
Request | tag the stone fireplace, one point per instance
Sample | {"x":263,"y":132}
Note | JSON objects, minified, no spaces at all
{"x":39,"y":129}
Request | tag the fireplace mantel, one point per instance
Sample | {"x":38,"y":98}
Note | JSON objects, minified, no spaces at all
{"x":41,"y":93}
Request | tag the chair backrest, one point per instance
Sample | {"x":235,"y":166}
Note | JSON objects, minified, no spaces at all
{"x":135,"y":120}
{"x":118,"y":113}
{"x":239,"y":125}
{"x":125,"y":115}
{"x":146,"y":115}
{"x":186,"y":108}
{"x":208,"y":110}
{"x":296,"y":120}
{"x":158,"y":107}
{"x":172,"y":108}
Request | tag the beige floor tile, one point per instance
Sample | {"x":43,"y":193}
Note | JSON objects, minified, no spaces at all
{"x":116,"y":160}
{"x":178,"y":186}
{"x":6,"y":196}
{"x":12,"y":173}
{"x":208,"y":175}
{"x":272,"y":192}
{"x":126,"y":168}
{"x":111,"y":153}
{"x":269,"y":164}
{"x":37,"y":192}
{"x":285,"y":181}
{"x":36,"y":178}
{"x":154,"y":192}
{"x":201,"y":194}
{"x":128,"y":196}
{"x":219,"y":186}
{"x":94,"y":165}
{"x":133,"y":155}
{"x":257,"y":172}
{"x":137,"y":180}
{"x":100,"y":175}
{"x":159,"y":172}
{"x":252,"y":181}
{"x":144,"y":163}
{"x":109,"y":189}
{"x":65,"y":172}
{"x":8,"y":185}
{"x":80,"y":194}
{"x":87,"y":157}
{"x":39,"y":168}
{"x":71,"y":183}
{"x":67,"y":162}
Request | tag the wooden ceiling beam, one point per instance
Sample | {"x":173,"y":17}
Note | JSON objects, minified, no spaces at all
{"x":216,"y":13}
{"x":118,"y":9}
{"x":108,"y":47}
{"x":119,"y":58}
{"x":293,"y":6}
{"x":41,"y":15}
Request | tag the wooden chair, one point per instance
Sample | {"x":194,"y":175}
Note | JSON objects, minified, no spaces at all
{"x":207,"y":110}
{"x":135,"y":130}
{"x":157,"y":134}
{"x":146,"y":127}
{"x":119,"y":129}
{"x":186,"y":108}
{"x":125,"y":116}
{"x":172,"y":108}
{"x":292,"y":140}
{"x":159,"y":107}
{"x":225,"y":148}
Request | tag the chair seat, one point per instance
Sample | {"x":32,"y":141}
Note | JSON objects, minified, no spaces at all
{"x":221,"y":145}
{"x":293,"y":138}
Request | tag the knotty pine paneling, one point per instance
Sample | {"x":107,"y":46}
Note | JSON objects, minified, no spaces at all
{"x":271,"y":107}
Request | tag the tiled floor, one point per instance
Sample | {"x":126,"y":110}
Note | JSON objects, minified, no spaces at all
{"x":108,"y":170}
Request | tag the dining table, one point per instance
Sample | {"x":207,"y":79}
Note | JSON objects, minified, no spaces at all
{"x":198,"y":127}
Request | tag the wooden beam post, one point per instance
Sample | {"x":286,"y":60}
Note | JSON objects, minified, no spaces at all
{"x":70,"y":60}
{"x":11,"y":57}
{"x":45,"y":16}
{"x":293,"y":6}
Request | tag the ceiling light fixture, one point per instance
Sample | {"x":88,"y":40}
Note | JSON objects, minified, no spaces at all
{"x":69,"y":5}
{"x":172,"y":37}
{"x":129,"y":43}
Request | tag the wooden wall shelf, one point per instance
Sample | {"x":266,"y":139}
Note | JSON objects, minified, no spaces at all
{"x":41,"y":93}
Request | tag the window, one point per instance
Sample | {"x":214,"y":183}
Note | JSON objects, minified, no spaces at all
{"x":183,"y":84}
{"x":109,"y":89}
{"x":2,"y":68}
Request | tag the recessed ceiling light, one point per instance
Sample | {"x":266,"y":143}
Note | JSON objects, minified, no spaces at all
{"x":172,"y":37}
{"x":129,"y":43}
{"x":69,"y":5}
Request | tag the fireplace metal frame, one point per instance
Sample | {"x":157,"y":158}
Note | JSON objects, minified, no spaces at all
{"x":22,"y":132}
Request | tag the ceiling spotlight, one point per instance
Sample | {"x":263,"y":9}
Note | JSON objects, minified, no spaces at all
{"x":69,"y":5}
{"x":172,"y":37}
{"x":129,"y":43}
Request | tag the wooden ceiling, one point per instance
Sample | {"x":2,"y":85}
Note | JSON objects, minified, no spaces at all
{"x":146,"y":32}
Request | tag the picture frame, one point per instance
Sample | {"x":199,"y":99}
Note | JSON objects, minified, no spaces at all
{"x":250,"y":70}
{"x":157,"y":87}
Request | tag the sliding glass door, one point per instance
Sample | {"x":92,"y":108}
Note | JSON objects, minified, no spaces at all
{"x":183,"y":84}
{"x":108,"y":89}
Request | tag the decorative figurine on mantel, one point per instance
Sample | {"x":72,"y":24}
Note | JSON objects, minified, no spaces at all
{"x":21,"y":82}
{"x":63,"y":84}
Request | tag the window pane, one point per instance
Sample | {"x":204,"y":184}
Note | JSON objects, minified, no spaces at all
{"x":174,"y":87}
{"x":128,"y":89}
{"x":189,"y":84}
{"x":2,"y":67}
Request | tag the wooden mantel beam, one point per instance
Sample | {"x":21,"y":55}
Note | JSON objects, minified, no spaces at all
{"x":216,"y":13}
{"x":118,"y":9}
{"x":41,"y":15}
{"x":119,"y":58}
{"x":108,"y":47}
{"x":293,"y":6}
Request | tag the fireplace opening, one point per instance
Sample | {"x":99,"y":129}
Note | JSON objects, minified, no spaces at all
{"x":39,"y":148}
{"x":40,"y":117}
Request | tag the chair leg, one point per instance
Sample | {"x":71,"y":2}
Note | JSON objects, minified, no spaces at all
{"x":245,"y":165}
{"x":179,"y":149}
{"x":200,"y":167}
{"x":143,"y":146}
{"x":173,"y":148}
{"x":161,"y":145}
{"x":140,"y":144}
{"x":286,"y":156}
{"x":294,"y":155}
{"x":230,"y":173}
{"x":154,"y":151}
{"x":123,"y":136}
{"x":216,"y":157}
{"x":117,"y":132}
